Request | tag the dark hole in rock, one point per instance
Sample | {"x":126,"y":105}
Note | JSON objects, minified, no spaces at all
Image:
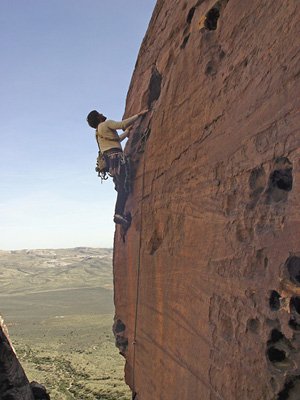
{"x":282,"y":179}
{"x":185,"y":40}
{"x":294,"y":321}
{"x":253,"y":325}
{"x":291,"y":389}
{"x":154,"y":87}
{"x":293,"y":267}
{"x":119,"y":326}
{"x":190,"y":15}
{"x":122,"y":344}
{"x":222,"y":54}
{"x":211,"y":19}
{"x":266,"y":262}
{"x":276,"y":335}
{"x":294,"y":324}
{"x":210,"y":69}
{"x":295,"y":304}
{"x":274,"y":300}
{"x":279,"y":350}
{"x":276,"y":355}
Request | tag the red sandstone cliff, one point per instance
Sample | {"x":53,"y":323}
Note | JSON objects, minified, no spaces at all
{"x":207,"y":278}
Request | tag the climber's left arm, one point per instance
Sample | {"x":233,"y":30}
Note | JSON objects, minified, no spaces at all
{"x":124,"y":135}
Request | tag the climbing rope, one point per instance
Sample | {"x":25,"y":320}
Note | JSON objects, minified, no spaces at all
{"x":138,"y":269}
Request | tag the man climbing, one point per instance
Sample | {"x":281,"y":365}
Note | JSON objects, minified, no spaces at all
{"x":109,"y":143}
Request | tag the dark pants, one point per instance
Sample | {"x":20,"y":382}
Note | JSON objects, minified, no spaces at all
{"x":118,"y":171}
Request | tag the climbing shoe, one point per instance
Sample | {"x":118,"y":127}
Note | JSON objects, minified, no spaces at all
{"x":122,"y":220}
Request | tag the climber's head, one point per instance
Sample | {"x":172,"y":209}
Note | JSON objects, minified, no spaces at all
{"x":94,"y":118}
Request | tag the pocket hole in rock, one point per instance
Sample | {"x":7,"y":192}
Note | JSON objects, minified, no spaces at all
{"x":185,"y":40}
{"x":274,"y":300}
{"x":291,"y":389}
{"x":293,"y":268}
{"x":294,"y":322}
{"x":154,"y":87}
{"x":211,"y":19}
{"x":282,"y":179}
{"x":122,"y":344}
{"x":190,"y":15}
{"x":210,"y":69}
{"x":276,"y":335}
{"x":278,"y":347}
{"x":121,"y":340}
{"x":253,"y":325}
{"x":276,"y":355}
{"x":295,"y":304}
{"x":222,"y":54}
{"x":119,"y":326}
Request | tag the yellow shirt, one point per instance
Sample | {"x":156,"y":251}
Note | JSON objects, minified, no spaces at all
{"x":106,"y":133}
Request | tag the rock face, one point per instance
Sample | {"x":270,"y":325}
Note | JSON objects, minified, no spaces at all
{"x":207,"y":278}
{"x":14,"y":384}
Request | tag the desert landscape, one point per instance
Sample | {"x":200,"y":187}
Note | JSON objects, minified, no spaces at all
{"x":58,"y":306}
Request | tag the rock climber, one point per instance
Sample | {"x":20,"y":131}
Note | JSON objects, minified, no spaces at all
{"x":109,"y":143}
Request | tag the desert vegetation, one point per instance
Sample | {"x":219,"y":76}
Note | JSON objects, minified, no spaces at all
{"x":58,"y":305}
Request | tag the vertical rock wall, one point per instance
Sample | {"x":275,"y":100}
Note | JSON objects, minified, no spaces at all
{"x":207,"y":278}
{"x":14,"y":384}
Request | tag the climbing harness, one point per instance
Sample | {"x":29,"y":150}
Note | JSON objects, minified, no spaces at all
{"x":119,"y":168}
{"x":111,"y":163}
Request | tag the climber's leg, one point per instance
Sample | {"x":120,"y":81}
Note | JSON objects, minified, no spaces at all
{"x":119,"y":217}
{"x":120,"y":203}
{"x":117,"y":169}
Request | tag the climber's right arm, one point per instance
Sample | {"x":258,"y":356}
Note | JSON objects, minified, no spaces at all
{"x":125,"y":123}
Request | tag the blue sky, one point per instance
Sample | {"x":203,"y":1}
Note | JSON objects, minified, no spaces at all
{"x":59,"y":60}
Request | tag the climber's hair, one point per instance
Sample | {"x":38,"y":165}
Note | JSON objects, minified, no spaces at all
{"x":93,"y":119}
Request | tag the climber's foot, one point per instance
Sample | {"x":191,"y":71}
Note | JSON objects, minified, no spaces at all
{"x":123,"y":220}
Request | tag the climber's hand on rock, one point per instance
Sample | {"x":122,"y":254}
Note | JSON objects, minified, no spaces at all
{"x":142,"y":112}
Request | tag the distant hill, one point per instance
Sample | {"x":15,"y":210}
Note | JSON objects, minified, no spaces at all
{"x":27,"y":271}
{"x":58,"y":306}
